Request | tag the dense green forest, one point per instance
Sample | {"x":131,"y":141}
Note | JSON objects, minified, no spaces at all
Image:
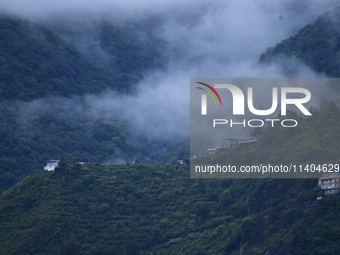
{"x":36,"y":61}
{"x":136,"y":209}
{"x":317,"y":45}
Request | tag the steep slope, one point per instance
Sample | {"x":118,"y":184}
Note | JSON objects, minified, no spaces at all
{"x":137,"y":209}
{"x":36,"y":62}
{"x":317,"y":45}
{"x":133,"y":48}
{"x":47,"y":65}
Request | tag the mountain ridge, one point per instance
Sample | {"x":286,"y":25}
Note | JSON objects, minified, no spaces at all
{"x":317,"y":45}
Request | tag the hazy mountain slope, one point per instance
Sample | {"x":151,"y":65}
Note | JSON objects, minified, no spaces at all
{"x":317,"y":45}
{"x":36,"y":62}
{"x":132,"y":208}
{"x":133,"y":48}
{"x":46,"y":66}
{"x":127,"y":49}
{"x":314,"y":140}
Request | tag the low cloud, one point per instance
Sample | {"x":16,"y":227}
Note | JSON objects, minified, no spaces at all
{"x":215,"y":39}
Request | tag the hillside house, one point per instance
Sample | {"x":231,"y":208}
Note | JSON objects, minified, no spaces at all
{"x":51,"y":165}
{"x":232,"y":142}
{"x":330,"y":183}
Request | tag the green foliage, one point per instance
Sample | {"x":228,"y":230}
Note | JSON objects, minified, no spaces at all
{"x":317,"y":45}
{"x":122,"y":209}
{"x":133,"y":48}
{"x":36,"y":62}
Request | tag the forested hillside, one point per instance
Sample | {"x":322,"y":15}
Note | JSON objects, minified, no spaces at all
{"x":50,"y":62}
{"x":137,"y":209}
{"x":317,"y":45}
{"x":37,"y":63}
{"x":151,"y":206}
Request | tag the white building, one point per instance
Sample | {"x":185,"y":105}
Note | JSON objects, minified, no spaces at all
{"x":232,"y":142}
{"x":51,"y":165}
{"x":330,"y":183}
